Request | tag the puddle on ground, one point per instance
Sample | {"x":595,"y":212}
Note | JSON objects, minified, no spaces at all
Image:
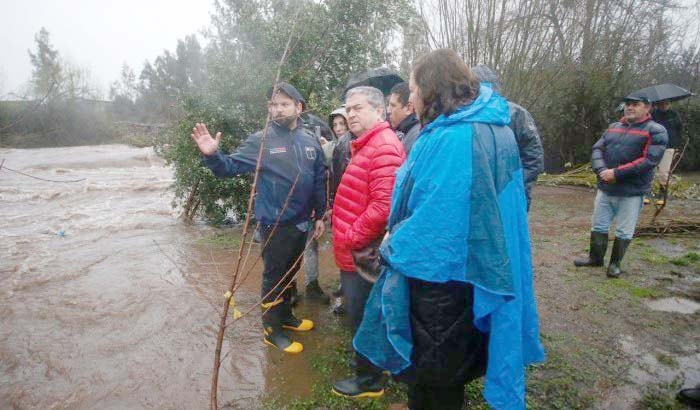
{"x":650,"y":368}
{"x":675,"y":305}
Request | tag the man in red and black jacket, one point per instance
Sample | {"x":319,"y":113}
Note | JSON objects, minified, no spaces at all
{"x":624,"y":159}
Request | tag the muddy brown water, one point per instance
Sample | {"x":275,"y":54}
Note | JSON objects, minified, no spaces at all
{"x":107,"y":300}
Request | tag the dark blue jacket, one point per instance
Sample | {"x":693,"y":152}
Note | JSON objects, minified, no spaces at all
{"x":633,"y":151}
{"x":287,"y":154}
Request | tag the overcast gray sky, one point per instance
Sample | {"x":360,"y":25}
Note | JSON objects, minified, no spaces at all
{"x":99,"y":35}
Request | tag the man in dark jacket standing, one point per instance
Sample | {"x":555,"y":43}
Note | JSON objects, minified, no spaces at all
{"x":524,"y":129}
{"x":402,"y":116}
{"x":290,"y":188}
{"x":624,"y":159}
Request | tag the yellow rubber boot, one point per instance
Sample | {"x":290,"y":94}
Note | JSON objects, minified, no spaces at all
{"x":298,"y":325}
{"x":281,"y":341}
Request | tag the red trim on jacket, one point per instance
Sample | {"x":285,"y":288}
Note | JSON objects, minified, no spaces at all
{"x":633,"y":132}
{"x":645,"y":152}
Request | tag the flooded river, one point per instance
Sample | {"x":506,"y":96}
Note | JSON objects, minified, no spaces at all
{"x":107,"y":300}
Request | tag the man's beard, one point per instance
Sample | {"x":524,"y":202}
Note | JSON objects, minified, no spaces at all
{"x":285,"y":121}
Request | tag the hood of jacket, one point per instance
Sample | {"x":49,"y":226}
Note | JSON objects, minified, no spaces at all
{"x":489,"y":108}
{"x":487,"y":75}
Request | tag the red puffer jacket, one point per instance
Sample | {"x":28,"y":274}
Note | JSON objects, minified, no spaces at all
{"x":363,"y":199}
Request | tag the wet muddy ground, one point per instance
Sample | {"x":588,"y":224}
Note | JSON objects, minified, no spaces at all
{"x":107,"y":300}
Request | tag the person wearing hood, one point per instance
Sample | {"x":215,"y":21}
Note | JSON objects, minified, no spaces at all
{"x":338,"y":123}
{"x":328,"y":143}
{"x":524,"y":129}
{"x":291,"y":200}
{"x":402,"y":116}
{"x":338,"y":127}
{"x":454,"y":299}
{"x":624,"y":159}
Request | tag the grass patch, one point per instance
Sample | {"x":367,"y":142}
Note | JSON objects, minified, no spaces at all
{"x":223,"y":240}
{"x":667,"y":360}
{"x":661,"y":397}
{"x":690,"y":258}
{"x":649,"y":253}
{"x":633,"y":290}
{"x":564,"y":381}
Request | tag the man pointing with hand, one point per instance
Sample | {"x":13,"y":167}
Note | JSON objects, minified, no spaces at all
{"x":290,"y":190}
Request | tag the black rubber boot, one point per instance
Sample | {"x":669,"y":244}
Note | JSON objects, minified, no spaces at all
{"x":315,"y":293}
{"x":275,"y":337}
{"x":287,"y":318}
{"x":368,"y":381}
{"x":690,"y":397}
{"x":273,"y":315}
{"x":596,"y":253}
{"x":293,"y":294}
{"x":360,"y":386}
{"x":618,"y":252}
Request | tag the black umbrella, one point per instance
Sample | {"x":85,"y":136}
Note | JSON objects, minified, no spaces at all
{"x":382,"y":78}
{"x":664,"y":92}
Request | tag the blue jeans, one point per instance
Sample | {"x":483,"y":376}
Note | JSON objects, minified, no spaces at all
{"x":623,"y":209}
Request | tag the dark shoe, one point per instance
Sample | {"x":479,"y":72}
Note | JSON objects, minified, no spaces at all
{"x":596,"y":253}
{"x":277,"y":338}
{"x":690,"y":397}
{"x":339,"y":309}
{"x":618,"y":252}
{"x":314,"y":292}
{"x":360,"y":386}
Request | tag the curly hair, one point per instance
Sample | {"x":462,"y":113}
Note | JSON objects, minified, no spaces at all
{"x":445,"y":83}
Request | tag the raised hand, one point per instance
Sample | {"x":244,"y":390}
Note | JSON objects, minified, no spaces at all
{"x":206,"y":144}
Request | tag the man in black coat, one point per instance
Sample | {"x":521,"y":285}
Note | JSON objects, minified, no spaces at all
{"x":525,"y":130}
{"x":402,"y":116}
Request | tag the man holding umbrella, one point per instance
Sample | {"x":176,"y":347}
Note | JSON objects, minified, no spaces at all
{"x":624,"y":159}
{"x":669,"y":119}
{"x":662,"y":96}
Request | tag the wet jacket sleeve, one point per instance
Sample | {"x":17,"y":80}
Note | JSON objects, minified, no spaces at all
{"x":597,"y":159}
{"x":529,"y":142}
{"x":240,"y":162}
{"x":319,"y":190}
{"x":652,"y":153}
{"x":372,"y":221}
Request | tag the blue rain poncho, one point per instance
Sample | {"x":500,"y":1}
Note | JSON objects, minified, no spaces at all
{"x":459,"y":214}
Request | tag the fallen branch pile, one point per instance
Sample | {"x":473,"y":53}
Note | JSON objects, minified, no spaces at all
{"x":676,"y":228}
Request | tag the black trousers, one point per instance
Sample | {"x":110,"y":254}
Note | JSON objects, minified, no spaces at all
{"x":422,"y":397}
{"x":355,"y":293}
{"x":280,"y":255}
{"x":448,"y":351}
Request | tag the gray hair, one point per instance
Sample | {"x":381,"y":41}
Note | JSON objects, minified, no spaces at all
{"x":375,"y":98}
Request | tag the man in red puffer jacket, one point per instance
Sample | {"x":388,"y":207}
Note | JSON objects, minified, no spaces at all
{"x":360,"y":212}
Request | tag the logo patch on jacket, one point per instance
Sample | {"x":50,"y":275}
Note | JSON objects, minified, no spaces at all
{"x":280,"y":150}
{"x":310,"y":153}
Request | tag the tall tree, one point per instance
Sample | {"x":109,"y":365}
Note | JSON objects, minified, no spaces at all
{"x":47,"y":72}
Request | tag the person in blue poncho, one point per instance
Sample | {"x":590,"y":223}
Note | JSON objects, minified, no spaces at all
{"x":454,"y":300}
